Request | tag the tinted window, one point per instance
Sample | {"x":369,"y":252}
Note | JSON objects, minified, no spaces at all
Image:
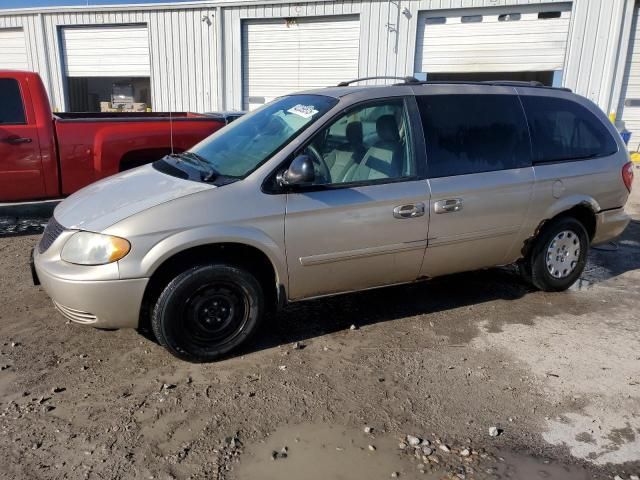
{"x":564,"y":130}
{"x":474,"y":133}
{"x":11,"y":109}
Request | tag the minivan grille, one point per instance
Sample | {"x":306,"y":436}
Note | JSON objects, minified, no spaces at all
{"x":51,"y":232}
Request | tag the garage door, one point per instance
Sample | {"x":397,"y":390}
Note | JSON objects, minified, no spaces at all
{"x":13,"y":49}
{"x":630,"y":95}
{"x":119,"y":51}
{"x":517,"y":39}
{"x":283,"y":56}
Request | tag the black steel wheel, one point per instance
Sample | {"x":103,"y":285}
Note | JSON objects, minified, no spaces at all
{"x":207,"y":311}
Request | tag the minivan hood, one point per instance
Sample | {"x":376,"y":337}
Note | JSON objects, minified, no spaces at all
{"x":115,"y":198}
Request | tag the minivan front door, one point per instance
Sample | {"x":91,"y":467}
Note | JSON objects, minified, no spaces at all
{"x":480,"y":175}
{"x":364,"y":221}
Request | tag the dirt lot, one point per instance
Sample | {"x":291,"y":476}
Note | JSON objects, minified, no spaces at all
{"x":557,"y":374}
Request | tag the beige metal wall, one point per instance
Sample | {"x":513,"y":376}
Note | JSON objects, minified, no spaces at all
{"x":190,"y":71}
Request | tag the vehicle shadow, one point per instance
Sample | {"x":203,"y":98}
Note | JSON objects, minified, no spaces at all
{"x":613,"y":259}
{"x":307,"y":320}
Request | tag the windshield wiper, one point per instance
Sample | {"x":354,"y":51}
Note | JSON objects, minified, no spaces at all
{"x":210,"y":174}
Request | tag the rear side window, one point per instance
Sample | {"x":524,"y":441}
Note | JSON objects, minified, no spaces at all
{"x":474,"y":133}
{"x":562,"y":130}
{"x":11,"y":108}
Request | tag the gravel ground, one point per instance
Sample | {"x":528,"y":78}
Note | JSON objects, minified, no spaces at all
{"x":557,"y":374}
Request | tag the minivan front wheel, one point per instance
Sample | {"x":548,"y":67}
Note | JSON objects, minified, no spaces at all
{"x":207,"y":311}
{"x":559,"y":255}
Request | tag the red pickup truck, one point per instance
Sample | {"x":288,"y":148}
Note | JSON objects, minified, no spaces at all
{"x":48,"y":156}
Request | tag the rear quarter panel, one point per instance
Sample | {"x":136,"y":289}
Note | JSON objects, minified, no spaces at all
{"x":596,"y":182}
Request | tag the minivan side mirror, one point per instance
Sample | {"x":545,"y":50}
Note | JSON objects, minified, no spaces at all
{"x":300,"y":172}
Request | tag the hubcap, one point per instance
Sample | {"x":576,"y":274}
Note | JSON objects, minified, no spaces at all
{"x":563,"y":254}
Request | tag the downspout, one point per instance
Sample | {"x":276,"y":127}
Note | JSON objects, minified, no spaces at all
{"x":47,"y":62}
{"x":220,"y":70}
{"x":622,"y":54}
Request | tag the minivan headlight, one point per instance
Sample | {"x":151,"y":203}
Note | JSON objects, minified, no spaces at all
{"x":87,"y":248}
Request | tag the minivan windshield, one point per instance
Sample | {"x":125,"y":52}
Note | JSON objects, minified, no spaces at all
{"x":239,"y":148}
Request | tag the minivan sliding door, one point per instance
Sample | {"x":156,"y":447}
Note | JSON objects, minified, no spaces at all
{"x":480,"y":174}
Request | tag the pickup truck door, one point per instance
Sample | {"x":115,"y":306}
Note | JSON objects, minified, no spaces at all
{"x":21,"y":176}
{"x":364,"y":222}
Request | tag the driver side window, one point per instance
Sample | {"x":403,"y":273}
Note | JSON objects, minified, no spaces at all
{"x":368,"y":143}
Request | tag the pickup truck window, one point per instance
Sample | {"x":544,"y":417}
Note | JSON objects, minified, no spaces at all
{"x":12,"y":111}
{"x":241,"y":147}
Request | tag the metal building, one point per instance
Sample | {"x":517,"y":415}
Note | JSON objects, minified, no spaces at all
{"x":238,"y":54}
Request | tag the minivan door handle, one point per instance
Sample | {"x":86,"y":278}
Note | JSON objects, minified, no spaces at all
{"x":448,"y":206}
{"x":409,"y":211}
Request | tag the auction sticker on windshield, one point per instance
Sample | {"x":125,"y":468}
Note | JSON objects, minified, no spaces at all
{"x":304,"y":111}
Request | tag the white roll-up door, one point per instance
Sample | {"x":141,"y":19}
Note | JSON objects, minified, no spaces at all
{"x":629,"y":110}
{"x":282,"y":56}
{"x":118,"y":51}
{"x":513,"y":39}
{"x":13,"y":49}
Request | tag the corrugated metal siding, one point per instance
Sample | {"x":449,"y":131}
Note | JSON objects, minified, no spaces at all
{"x":593,"y":54}
{"x":13,"y":49}
{"x":629,"y":108}
{"x":115,"y":51}
{"x":182,"y":50}
{"x":483,"y":41}
{"x":281,"y":57}
{"x":183,"y":43}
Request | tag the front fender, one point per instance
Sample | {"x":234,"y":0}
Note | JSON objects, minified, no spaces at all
{"x":215,"y":234}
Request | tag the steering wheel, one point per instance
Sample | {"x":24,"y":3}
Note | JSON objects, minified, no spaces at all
{"x":323,"y":175}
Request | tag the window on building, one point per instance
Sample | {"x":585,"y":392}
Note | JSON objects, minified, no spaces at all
{"x":564,"y":130}
{"x":473,"y":133}
{"x":11,"y":106}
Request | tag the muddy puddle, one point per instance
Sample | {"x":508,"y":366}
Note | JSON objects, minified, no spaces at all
{"x":321,"y":452}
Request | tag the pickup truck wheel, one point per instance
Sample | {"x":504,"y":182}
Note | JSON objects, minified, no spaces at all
{"x":207,"y":311}
{"x":559,"y":255}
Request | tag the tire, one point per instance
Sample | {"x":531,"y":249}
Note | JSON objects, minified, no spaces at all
{"x":559,"y":255}
{"x":207,"y":311}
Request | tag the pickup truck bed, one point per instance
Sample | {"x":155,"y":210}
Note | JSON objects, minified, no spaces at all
{"x":46,"y":156}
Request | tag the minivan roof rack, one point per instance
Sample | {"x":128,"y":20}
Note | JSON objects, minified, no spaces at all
{"x":384,"y":77}
{"x":409,"y":80}
{"x":497,"y":83}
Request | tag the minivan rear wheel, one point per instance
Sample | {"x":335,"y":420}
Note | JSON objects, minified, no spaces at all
{"x":207,"y":311}
{"x":559,"y":255}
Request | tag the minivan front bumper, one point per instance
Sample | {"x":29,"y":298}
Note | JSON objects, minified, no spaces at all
{"x":102,"y":304}
{"x":610,"y":224}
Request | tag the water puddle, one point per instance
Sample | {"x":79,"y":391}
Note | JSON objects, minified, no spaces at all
{"x":320,"y":452}
{"x":522,"y":467}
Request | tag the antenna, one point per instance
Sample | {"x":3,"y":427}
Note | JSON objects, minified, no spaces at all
{"x":170,"y":107}
{"x":171,"y":129}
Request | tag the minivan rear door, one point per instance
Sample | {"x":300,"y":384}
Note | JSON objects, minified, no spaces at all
{"x":480,"y":176}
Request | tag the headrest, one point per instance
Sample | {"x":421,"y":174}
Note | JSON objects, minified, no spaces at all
{"x":354,"y":133}
{"x":387,"y":128}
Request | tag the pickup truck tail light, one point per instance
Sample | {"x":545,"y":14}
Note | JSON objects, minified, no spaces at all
{"x":627,"y":175}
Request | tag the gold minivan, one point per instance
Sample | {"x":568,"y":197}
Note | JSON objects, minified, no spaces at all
{"x":338,"y":190}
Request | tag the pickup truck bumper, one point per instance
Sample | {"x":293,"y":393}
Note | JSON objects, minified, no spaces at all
{"x":609,"y":225}
{"x":102,"y":304}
